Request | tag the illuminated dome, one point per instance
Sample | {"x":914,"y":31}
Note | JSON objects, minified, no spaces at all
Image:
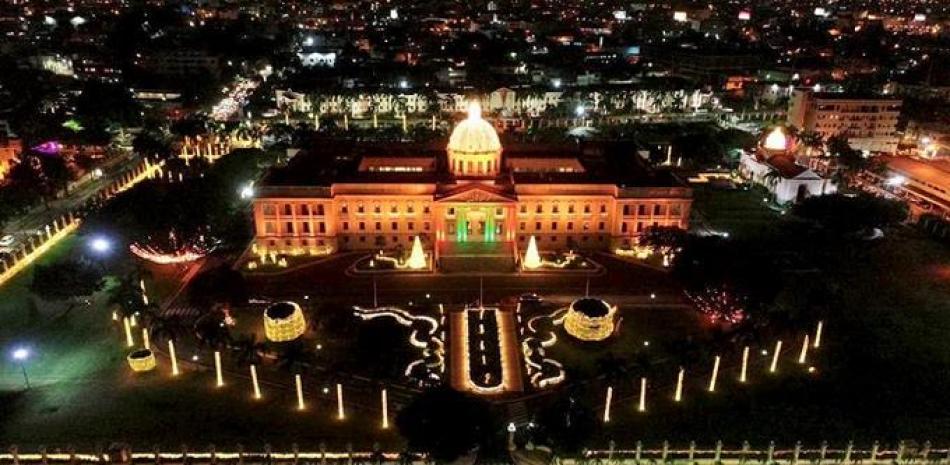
{"x":590,"y":319}
{"x":284,"y":321}
{"x":776,"y":140}
{"x":474,"y":148}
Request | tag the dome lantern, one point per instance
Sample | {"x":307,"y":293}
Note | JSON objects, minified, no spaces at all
{"x":474,"y":149}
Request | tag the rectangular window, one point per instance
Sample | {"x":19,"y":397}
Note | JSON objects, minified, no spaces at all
{"x":570,"y":209}
{"x":411,"y":226}
{"x":304,"y":209}
{"x":305,"y":227}
{"x":539,"y":209}
{"x":289,"y":227}
{"x":360,"y":209}
{"x":379,"y":226}
{"x":269,"y":228}
{"x":657,"y":210}
{"x":426,"y":226}
{"x":395,"y":226}
{"x":288,"y":209}
{"x":554,"y":208}
{"x":676,"y":210}
{"x":601,"y":226}
{"x":623,"y":227}
{"x":425,"y":209}
{"x":320,"y":209}
{"x":362,"y":226}
{"x":346,"y":225}
{"x":344,"y":209}
{"x":586,"y":208}
{"x":554,"y":226}
{"x":626,"y":210}
{"x":522,"y":226}
{"x":524,"y":208}
{"x":270,"y":209}
{"x":570,"y":225}
{"x":537,"y":226}
{"x":603,"y":208}
{"x":641,"y":209}
{"x":323,"y":227}
{"x":394,"y":208}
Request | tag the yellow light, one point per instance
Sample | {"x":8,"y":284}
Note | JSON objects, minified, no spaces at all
{"x":145,"y":342}
{"x":474,"y":110}
{"x":129,"y":341}
{"x":745,"y":364}
{"x":280,"y":327}
{"x":643,"y":395}
{"x":803,"y":355}
{"x":257,"y":387}
{"x":610,"y":396}
{"x":385,"y":401}
{"x":818,"y":330}
{"x":141,"y":360}
{"x":417,"y":259}
{"x":299,"y":382}
{"x":678,"y":395}
{"x":217,"y":369}
{"x":774,"y":366}
{"x":532,"y":259}
{"x":339,"y":402}
{"x":776,"y":140}
{"x":715,"y":375}
{"x":132,"y":321}
{"x":171,"y":355}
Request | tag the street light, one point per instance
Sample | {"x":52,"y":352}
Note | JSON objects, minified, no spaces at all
{"x":20,"y":355}
{"x":100,"y":245}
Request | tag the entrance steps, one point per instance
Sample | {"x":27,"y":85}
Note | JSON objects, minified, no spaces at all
{"x":478,"y":257}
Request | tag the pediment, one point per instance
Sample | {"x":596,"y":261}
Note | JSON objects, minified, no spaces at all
{"x":475,"y":193}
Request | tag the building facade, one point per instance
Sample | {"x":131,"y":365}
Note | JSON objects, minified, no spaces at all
{"x":869,"y":123}
{"x":470,"y":193}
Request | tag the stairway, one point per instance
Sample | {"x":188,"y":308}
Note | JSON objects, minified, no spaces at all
{"x":476,"y":257}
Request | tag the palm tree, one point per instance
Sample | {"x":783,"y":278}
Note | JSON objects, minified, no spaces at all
{"x":295,"y":356}
{"x":249,"y":350}
{"x":170,"y":328}
{"x":128,"y":297}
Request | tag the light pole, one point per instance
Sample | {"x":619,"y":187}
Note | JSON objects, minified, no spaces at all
{"x":20,"y":355}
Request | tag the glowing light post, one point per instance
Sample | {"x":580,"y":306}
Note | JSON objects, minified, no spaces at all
{"x":715,"y":375}
{"x":144,"y":294}
{"x":385,"y":401}
{"x":145,"y":341}
{"x":129,"y":341}
{"x":610,"y":397}
{"x":217,"y":369}
{"x":299,"y":382}
{"x":803,"y":355}
{"x":818,"y":329}
{"x":339,"y":402}
{"x":257,"y":387}
{"x":678,"y":395}
{"x":745,"y":364}
{"x":643,"y":395}
{"x":774,"y":366}
{"x":171,"y":355}
{"x":532,"y":259}
{"x":20,"y":355}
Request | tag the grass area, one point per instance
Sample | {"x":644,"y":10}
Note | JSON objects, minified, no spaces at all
{"x":741,"y":213}
{"x":882,"y":373}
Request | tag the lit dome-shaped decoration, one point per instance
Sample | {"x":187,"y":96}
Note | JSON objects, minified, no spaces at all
{"x":590,"y":319}
{"x":141,"y":360}
{"x":776,"y":140}
{"x":283,"y":322}
{"x":474,"y":148}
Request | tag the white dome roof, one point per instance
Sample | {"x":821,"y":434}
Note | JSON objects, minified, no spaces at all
{"x":474,"y":135}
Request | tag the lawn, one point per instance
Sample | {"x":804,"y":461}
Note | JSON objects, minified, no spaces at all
{"x":741,"y":213}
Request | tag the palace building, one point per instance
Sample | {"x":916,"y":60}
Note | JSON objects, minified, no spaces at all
{"x":472,"y":192}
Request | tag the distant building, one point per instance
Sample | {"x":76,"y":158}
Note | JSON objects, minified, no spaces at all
{"x":773,"y":166}
{"x":869,"y":123}
{"x":10,"y":148}
{"x":182,"y":63}
{"x":923,"y":183}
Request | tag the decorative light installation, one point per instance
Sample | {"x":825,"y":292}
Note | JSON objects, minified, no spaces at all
{"x":715,"y":375}
{"x":590,"y":319}
{"x":610,"y":397}
{"x":745,"y":364}
{"x":778,"y":349}
{"x":219,"y":378}
{"x":803,"y":355}
{"x":174,"y":359}
{"x":299,"y":383}
{"x":254,"y":383}
{"x":818,"y":329}
{"x":184,"y":255}
{"x":678,"y":394}
{"x":284,"y":321}
{"x":532,"y":259}
{"x":643,"y":395}
{"x":127,"y":324}
{"x":145,"y":342}
{"x":141,"y":360}
{"x":719,"y":305}
{"x":417,"y":259}
{"x":385,"y":402}
{"x":776,"y":140}
{"x":339,"y":402}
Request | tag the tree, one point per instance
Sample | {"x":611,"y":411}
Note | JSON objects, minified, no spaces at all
{"x":127,"y":295}
{"x":665,"y":237}
{"x":69,"y":279}
{"x":446,"y":423}
{"x":567,"y":424}
{"x":219,"y":285}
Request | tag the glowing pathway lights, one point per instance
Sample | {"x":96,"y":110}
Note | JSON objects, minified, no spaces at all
{"x":818,"y":329}
{"x":532,"y":259}
{"x":715,"y":374}
{"x":144,"y":294}
{"x":642,"y":407}
{"x":129,"y":341}
{"x":417,"y":259}
{"x":803,"y":355}
{"x":610,"y":397}
{"x":254,"y":383}
{"x":773,"y":367}
{"x":384,"y":398}
{"x":219,"y":378}
{"x":171,"y":356}
{"x":745,"y":365}
{"x":145,"y":341}
{"x":340,"y":414}
{"x":678,"y":394}
{"x":299,"y":382}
